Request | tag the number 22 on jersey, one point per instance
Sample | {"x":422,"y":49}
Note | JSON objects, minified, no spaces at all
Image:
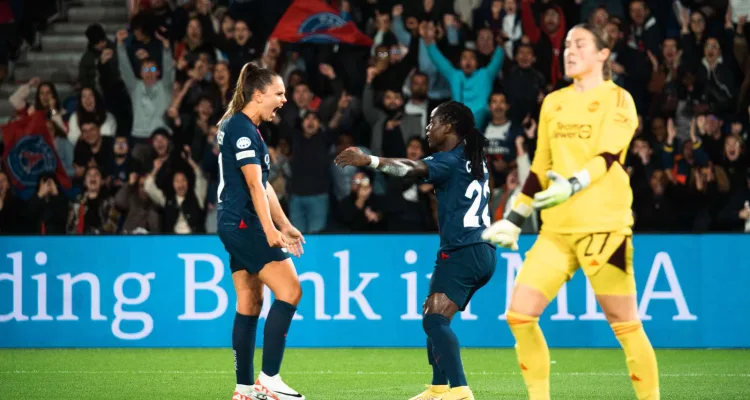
{"x":477,"y":192}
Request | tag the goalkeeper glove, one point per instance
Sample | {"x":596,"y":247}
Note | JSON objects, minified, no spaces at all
{"x":559,"y":190}
{"x":503,"y":233}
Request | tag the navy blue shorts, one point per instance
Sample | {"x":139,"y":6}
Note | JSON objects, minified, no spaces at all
{"x":460,"y":273}
{"x":249,"y":250}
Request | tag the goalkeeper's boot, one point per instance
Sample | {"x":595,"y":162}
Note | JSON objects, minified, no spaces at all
{"x":433,"y":392}
{"x":459,"y":393}
{"x":275,"y":388}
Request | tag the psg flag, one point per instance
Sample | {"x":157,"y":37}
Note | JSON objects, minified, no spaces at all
{"x":29,"y":152}
{"x":313,"y":21}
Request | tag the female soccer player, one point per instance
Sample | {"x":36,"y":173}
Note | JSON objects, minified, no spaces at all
{"x":248,"y":216}
{"x":578,"y":180}
{"x":465,"y":262}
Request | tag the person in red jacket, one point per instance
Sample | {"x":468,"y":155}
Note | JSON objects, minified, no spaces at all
{"x":548,"y":39}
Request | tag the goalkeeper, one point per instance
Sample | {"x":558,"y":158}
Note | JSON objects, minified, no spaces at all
{"x":578,"y":182}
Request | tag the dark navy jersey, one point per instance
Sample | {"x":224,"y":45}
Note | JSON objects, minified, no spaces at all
{"x":463,"y":202}
{"x":240,"y":143}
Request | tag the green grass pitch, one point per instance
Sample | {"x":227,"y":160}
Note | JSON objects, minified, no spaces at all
{"x":355,"y":374}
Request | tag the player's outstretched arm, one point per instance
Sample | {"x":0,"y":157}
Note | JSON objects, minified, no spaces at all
{"x":254,"y":178}
{"x":400,"y":167}
{"x":293,"y":236}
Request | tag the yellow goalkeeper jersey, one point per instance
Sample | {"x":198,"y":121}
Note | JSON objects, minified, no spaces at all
{"x":586,"y":131}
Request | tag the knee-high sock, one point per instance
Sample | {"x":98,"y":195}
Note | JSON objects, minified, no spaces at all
{"x":438,"y":377}
{"x":640,"y":358}
{"x":532,"y":352}
{"x":274,"y":335}
{"x":243,"y":346}
{"x":445,"y":348}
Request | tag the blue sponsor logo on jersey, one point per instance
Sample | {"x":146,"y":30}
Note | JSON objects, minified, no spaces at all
{"x":318,"y":23}
{"x":29,"y":158}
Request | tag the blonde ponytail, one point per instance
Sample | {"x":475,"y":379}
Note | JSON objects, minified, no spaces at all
{"x":251,"y":78}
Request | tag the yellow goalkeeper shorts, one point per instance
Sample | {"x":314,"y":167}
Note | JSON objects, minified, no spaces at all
{"x":606,"y":258}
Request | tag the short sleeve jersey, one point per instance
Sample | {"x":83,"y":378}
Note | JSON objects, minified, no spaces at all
{"x":463,"y":201}
{"x":240,"y":144}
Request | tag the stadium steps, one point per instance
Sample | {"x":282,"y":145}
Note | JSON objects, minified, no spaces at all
{"x":102,"y":14}
{"x":63,"y":45}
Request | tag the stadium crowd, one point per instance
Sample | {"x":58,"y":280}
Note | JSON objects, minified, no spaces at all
{"x":139,"y":139}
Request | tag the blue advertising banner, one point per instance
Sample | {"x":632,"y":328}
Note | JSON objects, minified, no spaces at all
{"x":359,"y":290}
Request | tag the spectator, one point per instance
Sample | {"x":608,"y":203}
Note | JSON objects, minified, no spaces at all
{"x":419,"y":104}
{"x":91,"y":213}
{"x":308,"y":192}
{"x":363,"y":210}
{"x":549,"y":40}
{"x":630,"y":68}
{"x":151,"y":95}
{"x":439,"y":88}
{"x":194,"y":41}
{"x":735,"y":216}
{"x":693,"y":35}
{"x":303,"y":100}
{"x":222,"y":80}
{"x":48,"y":208}
{"x":717,"y":78}
{"x":11,"y":208}
{"x":123,"y":166}
{"x":242,"y":49}
{"x":644,"y":35}
{"x":391,"y":127}
{"x":512,"y":27}
{"x":142,"y":45}
{"x":524,"y":85}
{"x":141,"y":215}
{"x":409,"y":200}
{"x":183,"y":208}
{"x":501,"y":134}
{"x":46,"y":99}
{"x":93,"y":149}
{"x":469,"y":85}
{"x":91,"y":108}
{"x":89,"y":65}
{"x":655,"y":209}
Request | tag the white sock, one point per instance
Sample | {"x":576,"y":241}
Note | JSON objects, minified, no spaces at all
{"x":247,"y":390}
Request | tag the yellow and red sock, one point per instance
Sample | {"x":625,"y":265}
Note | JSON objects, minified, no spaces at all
{"x":640,"y":357}
{"x":532,"y":352}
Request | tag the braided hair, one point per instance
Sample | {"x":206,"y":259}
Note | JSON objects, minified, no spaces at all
{"x":461,"y":119}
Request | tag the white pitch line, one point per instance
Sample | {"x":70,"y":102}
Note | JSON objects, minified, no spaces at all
{"x":328,"y":372}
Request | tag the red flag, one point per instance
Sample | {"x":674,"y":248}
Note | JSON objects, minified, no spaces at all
{"x":30,"y":151}
{"x":313,"y":21}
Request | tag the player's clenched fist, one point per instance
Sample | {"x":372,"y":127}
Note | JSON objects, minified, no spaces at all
{"x":503,"y":233}
{"x":352,"y":156}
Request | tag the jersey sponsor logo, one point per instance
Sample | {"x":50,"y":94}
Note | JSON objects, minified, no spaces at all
{"x":220,"y":138}
{"x":621,"y":119}
{"x":243,"y":143}
{"x":267,"y":159}
{"x":245,"y":154}
{"x":572,"y":131}
{"x":429,"y":158}
{"x":594,"y":106}
{"x":558,"y":108}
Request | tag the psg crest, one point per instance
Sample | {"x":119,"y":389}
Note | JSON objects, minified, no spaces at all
{"x":30,"y":157}
{"x":314,"y":26}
